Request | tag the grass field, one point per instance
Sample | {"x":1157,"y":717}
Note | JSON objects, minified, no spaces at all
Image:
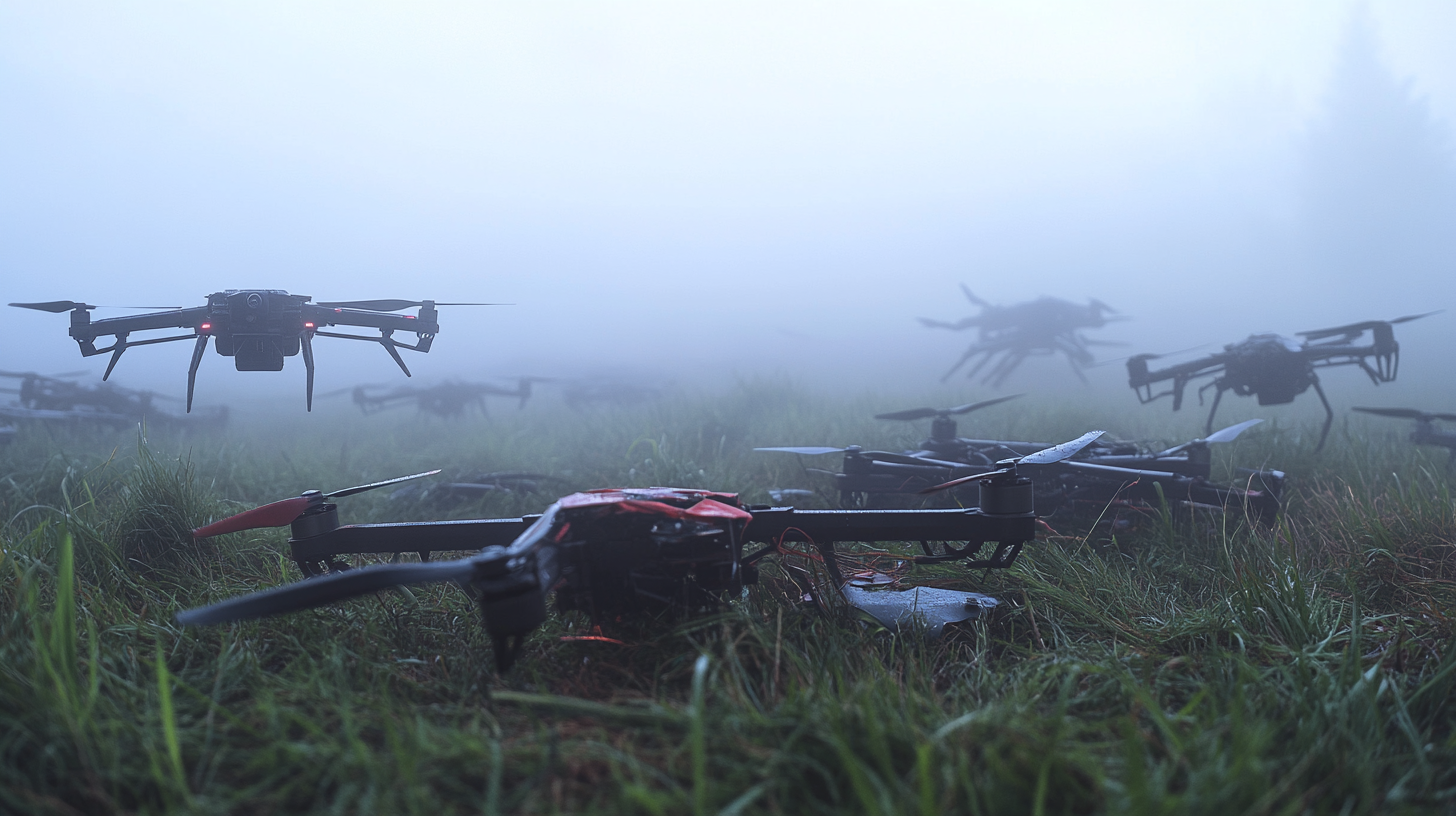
{"x":1186,"y":666}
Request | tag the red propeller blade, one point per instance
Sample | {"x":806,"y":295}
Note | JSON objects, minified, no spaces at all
{"x":275,"y":514}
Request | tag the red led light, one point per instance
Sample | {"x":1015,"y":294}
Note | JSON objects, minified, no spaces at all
{"x":308,"y":325}
{"x":206,"y":326}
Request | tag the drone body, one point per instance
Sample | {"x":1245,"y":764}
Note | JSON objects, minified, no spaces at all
{"x":614,"y":552}
{"x":1276,"y":369}
{"x":258,"y":328}
{"x":1008,"y":335}
{"x":1103,"y":473}
{"x":59,"y":398}
{"x":449,"y":400}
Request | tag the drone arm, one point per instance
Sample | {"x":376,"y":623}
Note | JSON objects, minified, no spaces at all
{"x":419,"y":537}
{"x":425,"y":323}
{"x":824,"y":528}
{"x":174,"y":319}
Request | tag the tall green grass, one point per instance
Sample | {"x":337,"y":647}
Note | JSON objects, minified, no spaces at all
{"x":1185,"y":665}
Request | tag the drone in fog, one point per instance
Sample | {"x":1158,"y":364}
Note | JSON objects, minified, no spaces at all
{"x":1007,"y":335}
{"x":256,"y":327}
{"x":1275,"y":368}
{"x":448,"y":399}
{"x":617,"y":552}
{"x":59,"y":398}
{"x":1425,"y":432}
{"x":1103,"y":473}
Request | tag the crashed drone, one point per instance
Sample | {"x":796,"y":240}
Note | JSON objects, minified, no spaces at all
{"x":447,"y":400}
{"x":60,"y":398}
{"x":1425,"y":432}
{"x":618,"y":552}
{"x":1276,"y":369}
{"x":255,"y":327}
{"x":1104,"y":475}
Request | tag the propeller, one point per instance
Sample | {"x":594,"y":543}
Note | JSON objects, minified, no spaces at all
{"x":394,"y":304}
{"x":922,"y":413}
{"x":1406,"y":413}
{"x":327,"y":589}
{"x":1046,"y":456}
{"x":54,"y":306}
{"x":58,"y":306}
{"x":1228,"y":434}
{"x":286,"y":511}
{"x":1355,"y":328}
{"x":877,"y":456}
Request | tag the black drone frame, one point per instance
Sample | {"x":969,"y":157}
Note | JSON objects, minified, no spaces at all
{"x":1276,"y":369}
{"x":258,"y":328}
{"x":609,"y":552}
{"x":1425,"y":431}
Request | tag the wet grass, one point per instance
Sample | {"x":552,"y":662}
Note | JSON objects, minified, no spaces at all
{"x":1186,"y":665}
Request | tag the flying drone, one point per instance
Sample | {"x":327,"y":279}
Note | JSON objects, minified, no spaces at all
{"x":256,"y":327}
{"x":59,"y":398}
{"x":1425,"y":432}
{"x":448,"y":399}
{"x":1105,"y":473}
{"x":1276,"y":369}
{"x":618,"y":552}
{"x":1010,"y":334}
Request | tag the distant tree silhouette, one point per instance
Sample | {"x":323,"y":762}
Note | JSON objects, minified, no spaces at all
{"x":1379,"y":181}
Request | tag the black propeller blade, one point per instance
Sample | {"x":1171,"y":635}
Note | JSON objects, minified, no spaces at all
{"x":58,"y":306}
{"x":54,"y":306}
{"x":1406,"y":413}
{"x":922,"y":413}
{"x":1353,"y":329}
{"x":326,"y":589}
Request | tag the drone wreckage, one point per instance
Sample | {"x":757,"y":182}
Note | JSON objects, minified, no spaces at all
{"x":617,"y":552}
{"x":258,"y":328}
{"x":1425,"y":432}
{"x":57,"y":398}
{"x":447,"y":400}
{"x":1105,"y":474}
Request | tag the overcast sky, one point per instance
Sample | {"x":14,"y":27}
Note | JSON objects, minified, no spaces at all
{"x":719,"y":187}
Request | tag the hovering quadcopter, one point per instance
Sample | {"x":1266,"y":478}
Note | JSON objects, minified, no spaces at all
{"x":59,"y":398}
{"x":256,"y":327}
{"x":1425,"y":432}
{"x":1105,"y":473}
{"x":448,"y":399}
{"x":1276,"y":369}
{"x":1010,"y":334}
{"x":622,"y":551}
